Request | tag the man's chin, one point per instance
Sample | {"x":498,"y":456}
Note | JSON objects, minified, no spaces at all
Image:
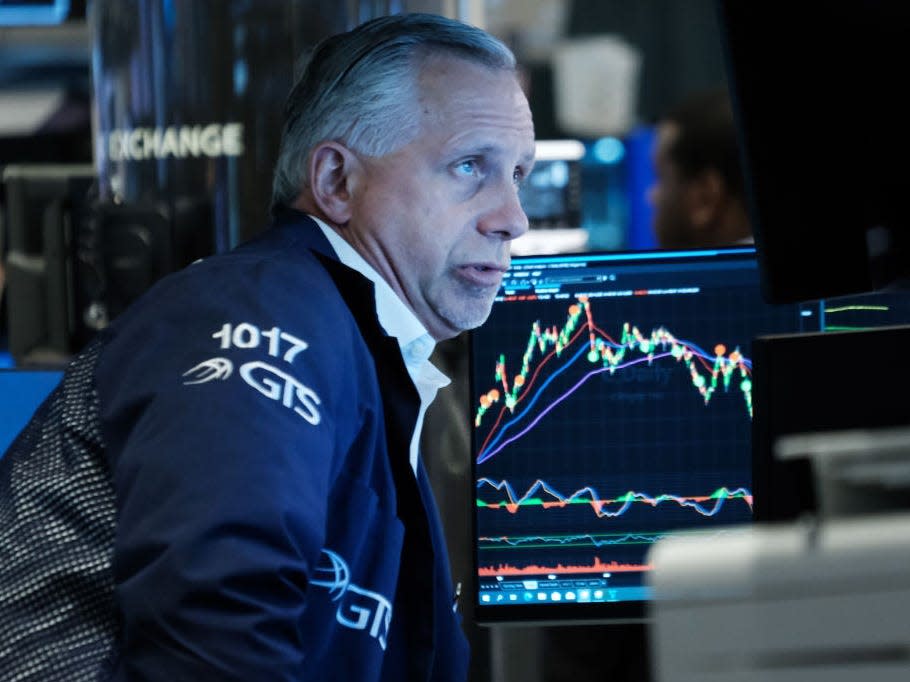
{"x":467,"y":317}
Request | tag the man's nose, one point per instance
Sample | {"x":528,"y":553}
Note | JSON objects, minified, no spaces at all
{"x":506,"y":218}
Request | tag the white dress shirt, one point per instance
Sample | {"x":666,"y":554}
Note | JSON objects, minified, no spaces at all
{"x":398,"y":321}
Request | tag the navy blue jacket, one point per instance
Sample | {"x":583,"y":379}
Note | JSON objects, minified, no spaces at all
{"x":241,"y":438}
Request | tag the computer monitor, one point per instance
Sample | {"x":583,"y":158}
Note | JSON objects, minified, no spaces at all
{"x":821,"y":118}
{"x":551,"y":194}
{"x":45,"y":207}
{"x":75,"y":263}
{"x":612,"y":406}
{"x":34,"y":12}
{"x":21,"y":392}
{"x":552,"y":198}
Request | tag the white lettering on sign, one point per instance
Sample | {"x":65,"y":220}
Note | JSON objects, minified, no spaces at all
{"x":206,"y":140}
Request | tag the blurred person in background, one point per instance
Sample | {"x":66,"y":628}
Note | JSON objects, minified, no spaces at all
{"x":698,"y":195}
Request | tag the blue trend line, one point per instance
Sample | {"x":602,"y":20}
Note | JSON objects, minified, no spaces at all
{"x":581,"y":351}
{"x":488,"y":453}
{"x":710,"y":358}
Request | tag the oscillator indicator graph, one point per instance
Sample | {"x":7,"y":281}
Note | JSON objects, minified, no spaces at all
{"x":619,"y":530}
{"x":586,"y":540}
{"x":568,"y":540}
{"x":543,"y":495}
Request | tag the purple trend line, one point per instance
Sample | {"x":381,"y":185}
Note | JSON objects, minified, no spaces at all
{"x":563,"y":397}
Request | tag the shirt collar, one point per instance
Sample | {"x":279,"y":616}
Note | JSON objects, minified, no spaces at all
{"x":398,"y":321}
{"x":396,"y":318}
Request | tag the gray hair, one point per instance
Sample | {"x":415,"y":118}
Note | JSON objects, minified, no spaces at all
{"x":359,"y":88}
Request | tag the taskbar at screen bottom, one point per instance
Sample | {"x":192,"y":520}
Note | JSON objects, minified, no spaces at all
{"x":556,"y":598}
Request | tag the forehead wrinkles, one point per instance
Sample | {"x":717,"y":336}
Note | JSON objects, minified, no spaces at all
{"x":461,"y":99}
{"x":447,"y":84}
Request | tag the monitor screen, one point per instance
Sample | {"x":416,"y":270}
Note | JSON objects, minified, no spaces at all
{"x":21,"y":392}
{"x":551,"y":194}
{"x":552,"y":198}
{"x":33,"y":12}
{"x":612,"y":406}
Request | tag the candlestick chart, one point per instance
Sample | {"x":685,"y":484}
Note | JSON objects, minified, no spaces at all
{"x":581,"y":341}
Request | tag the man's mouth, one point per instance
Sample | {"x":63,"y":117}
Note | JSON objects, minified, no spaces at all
{"x":485,"y":274}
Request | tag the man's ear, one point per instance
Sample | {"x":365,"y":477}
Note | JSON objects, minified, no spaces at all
{"x":331,"y":168}
{"x":706,"y":196}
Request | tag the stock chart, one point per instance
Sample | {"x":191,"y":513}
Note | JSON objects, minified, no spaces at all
{"x":607,"y":414}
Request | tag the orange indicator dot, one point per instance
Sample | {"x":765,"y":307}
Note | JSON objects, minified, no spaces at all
{"x":720,"y":349}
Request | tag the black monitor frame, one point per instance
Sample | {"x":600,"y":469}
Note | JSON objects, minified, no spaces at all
{"x":523,"y":281}
{"x":821,"y":119}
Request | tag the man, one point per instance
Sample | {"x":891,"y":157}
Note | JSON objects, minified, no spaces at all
{"x":226,"y":485}
{"x":698,"y":196}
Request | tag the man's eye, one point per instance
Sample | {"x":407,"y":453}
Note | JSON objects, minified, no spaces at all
{"x":468,"y":167}
{"x":518,"y":176}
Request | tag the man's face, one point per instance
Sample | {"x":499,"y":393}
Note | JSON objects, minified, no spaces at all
{"x":668,"y":195}
{"x":435,"y":217}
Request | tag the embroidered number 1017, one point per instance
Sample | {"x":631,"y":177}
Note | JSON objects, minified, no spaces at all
{"x":246,"y":335}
